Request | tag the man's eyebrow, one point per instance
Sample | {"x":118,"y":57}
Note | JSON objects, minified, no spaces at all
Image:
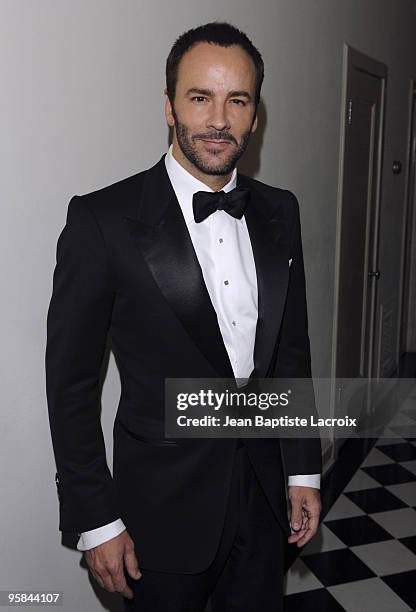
{"x":209,"y":92}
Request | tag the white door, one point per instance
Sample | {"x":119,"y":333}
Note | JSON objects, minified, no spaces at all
{"x":358,"y":270}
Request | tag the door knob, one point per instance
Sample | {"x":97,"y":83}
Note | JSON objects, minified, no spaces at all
{"x":375,"y":274}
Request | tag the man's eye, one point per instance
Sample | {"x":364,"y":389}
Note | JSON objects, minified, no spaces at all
{"x":241,"y":102}
{"x":198,"y":98}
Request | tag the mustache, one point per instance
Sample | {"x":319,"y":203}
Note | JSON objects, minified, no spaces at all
{"x":219,"y":136}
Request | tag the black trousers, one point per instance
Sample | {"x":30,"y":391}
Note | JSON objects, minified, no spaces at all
{"x":246,"y":574}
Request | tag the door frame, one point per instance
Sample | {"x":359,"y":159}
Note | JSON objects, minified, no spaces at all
{"x":407,"y":213}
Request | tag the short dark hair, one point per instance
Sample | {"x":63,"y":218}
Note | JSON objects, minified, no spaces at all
{"x":218,"y":33}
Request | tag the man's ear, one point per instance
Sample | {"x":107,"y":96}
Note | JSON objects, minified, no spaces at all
{"x":168,"y":110}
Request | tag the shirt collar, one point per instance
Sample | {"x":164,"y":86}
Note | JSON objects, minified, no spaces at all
{"x":185,"y":184}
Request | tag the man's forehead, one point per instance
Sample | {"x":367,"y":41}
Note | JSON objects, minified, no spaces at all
{"x":204,"y":51}
{"x":216,"y":60}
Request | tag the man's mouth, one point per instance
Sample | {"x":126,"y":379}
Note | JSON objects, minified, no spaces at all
{"x":220,"y":144}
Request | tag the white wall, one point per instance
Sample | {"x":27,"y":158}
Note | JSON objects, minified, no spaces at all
{"x":82,"y":106}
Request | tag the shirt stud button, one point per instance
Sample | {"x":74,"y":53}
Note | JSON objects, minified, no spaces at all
{"x":226,"y":282}
{"x":220,"y":240}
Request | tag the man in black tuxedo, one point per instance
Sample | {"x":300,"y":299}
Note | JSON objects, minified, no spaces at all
{"x":195,"y":271}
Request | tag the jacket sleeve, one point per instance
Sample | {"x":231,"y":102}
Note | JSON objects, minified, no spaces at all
{"x":78,"y":319}
{"x":300,"y":455}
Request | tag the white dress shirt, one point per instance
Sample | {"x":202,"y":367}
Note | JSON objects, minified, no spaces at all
{"x":223,"y":249}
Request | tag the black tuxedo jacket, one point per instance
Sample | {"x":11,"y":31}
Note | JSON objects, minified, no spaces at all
{"x":126,"y":267}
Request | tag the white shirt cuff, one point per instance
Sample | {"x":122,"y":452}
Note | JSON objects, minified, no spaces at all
{"x":305,"y":480}
{"x":95,"y":537}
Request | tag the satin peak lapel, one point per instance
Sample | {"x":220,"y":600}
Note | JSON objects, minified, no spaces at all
{"x":161,"y":235}
{"x":270,"y":243}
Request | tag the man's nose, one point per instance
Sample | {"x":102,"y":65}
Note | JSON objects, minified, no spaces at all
{"x":218,"y":118}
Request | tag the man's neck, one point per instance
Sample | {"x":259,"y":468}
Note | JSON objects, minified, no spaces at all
{"x":214,"y":181}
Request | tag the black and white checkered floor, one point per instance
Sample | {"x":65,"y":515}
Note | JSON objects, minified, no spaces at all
{"x":364,"y":555}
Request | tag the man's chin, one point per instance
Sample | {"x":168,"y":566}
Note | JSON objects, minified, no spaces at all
{"x":219,"y":170}
{"x":215,"y":164}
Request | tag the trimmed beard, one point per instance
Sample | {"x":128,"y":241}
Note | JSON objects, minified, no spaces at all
{"x":186,"y":144}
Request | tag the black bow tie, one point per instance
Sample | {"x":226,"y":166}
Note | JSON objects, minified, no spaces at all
{"x":234,"y":202}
